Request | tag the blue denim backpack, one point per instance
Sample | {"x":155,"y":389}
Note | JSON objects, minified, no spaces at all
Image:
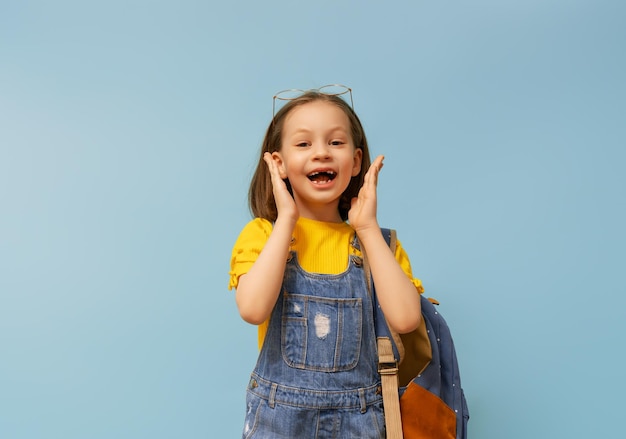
{"x":422,"y":393}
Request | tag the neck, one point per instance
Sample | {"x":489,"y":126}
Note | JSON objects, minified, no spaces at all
{"x":321,"y":214}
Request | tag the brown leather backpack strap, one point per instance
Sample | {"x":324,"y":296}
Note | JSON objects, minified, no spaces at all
{"x":387,"y":363}
{"x":388,"y":369}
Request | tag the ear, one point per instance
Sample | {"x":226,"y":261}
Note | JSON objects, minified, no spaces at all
{"x":280,"y":164}
{"x":358,"y":159}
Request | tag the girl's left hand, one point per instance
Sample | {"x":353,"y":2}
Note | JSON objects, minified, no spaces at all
{"x":362,"y":214}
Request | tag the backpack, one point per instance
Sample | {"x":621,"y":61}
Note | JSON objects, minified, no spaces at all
{"x":421,"y":384}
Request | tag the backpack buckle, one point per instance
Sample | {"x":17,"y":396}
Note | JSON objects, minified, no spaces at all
{"x":390,"y":368}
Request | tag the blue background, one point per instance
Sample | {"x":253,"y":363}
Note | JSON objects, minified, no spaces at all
{"x":128,"y":134}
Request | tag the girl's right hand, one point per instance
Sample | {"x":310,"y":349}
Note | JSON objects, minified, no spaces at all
{"x":285,"y":204}
{"x":260,"y":287}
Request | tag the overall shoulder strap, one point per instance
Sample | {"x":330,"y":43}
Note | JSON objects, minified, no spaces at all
{"x":382,"y":328}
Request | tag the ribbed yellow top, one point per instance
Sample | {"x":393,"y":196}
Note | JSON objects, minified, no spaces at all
{"x":321,"y":248}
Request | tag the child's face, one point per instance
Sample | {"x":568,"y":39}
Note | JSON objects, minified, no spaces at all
{"x":318,"y":157}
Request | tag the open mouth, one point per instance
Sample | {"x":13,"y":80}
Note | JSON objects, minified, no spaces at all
{"x":322,"y":176}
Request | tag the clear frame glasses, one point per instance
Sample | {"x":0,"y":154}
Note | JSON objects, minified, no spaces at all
{"x":294,"y":93}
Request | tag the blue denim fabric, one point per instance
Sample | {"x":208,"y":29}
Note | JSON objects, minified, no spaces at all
{"x":316,"y":376}
{"x":442,"y":376}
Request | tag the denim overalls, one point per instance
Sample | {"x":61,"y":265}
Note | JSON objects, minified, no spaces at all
{"x":316,"y":376}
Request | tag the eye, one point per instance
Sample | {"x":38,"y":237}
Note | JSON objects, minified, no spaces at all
{"x":336,"y":142}
{"x":302,"y":144}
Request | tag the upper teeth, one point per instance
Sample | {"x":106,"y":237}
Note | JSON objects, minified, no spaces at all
{"x":321,"y":172}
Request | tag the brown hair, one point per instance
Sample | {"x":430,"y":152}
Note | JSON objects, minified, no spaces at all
{"x":260,"y":195}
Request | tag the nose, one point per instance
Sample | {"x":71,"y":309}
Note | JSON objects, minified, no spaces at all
{"x":321,"y":150}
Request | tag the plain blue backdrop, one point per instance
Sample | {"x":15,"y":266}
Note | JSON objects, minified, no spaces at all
{"x":128,"y":134}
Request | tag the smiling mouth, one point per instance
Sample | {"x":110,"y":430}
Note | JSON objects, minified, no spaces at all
{"x":322,"y":176}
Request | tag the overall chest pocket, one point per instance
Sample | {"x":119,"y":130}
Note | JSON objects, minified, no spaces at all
{"x":321,"y":333}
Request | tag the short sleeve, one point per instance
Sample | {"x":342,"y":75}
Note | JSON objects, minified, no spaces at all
{"x":405,"y":263}
{"x":247,"y":248}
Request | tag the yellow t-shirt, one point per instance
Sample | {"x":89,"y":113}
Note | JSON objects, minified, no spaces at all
{"x":321,"y":247}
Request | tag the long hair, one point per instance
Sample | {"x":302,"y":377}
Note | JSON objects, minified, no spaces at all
{"x":260,"y":195}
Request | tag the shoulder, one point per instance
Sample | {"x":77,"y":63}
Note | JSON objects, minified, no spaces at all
{"x":257,"y":227}
{"x":253,"y":236}
{"x":403,"y":259}
{"x":247,"y":248}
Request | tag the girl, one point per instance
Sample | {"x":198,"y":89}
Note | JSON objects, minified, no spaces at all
{"x":297,"y":272}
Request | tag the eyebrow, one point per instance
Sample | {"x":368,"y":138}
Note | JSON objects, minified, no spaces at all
{"x":331,"y":130}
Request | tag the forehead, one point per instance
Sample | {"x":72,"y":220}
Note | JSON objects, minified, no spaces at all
{"x":316,"y":115}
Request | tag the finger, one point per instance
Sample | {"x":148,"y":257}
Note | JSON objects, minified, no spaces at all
{"x":371,"y":177}
{"x":271,"y":165}
{"x":378,"y":162}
